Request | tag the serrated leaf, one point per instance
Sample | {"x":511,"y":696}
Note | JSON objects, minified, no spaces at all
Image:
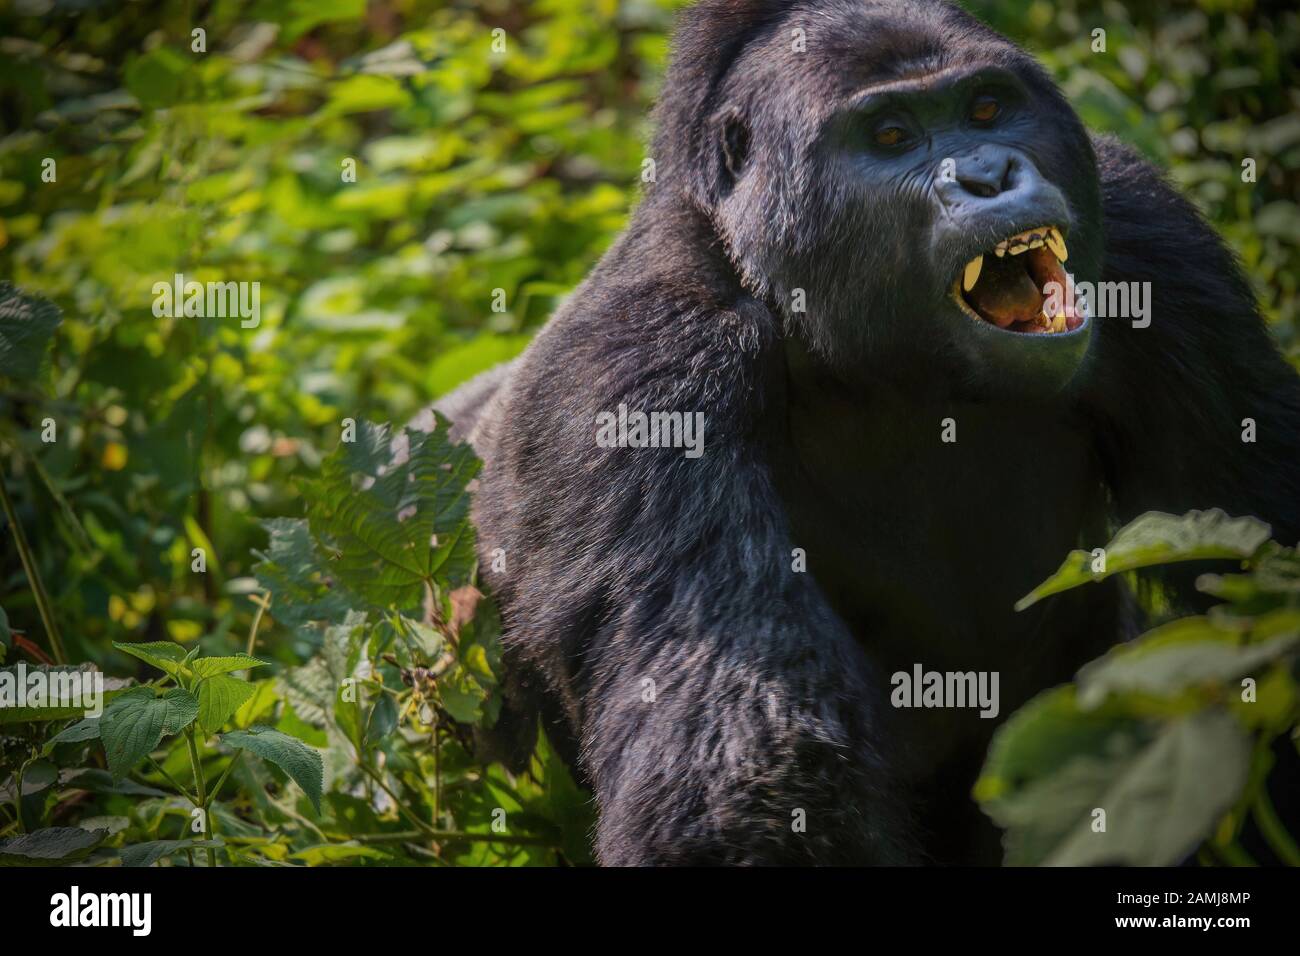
{"x":291,"y":570}
{"x":27,"y":323}
{"x":394,"y":515}
{"x":219,"y":698}
{"x":182,"y":708}
{"x":167,"y":656}
{"x":131,"y":728}
{"x":303,"y":764}
{"x":213,"y":666}
{"x":53,"y":846}
{"x":1156,"y":538}
{"x":147,"y":854}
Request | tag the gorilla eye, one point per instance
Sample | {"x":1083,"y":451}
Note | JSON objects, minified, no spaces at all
{"x":890,"y":135}
{"x":985,"y":109}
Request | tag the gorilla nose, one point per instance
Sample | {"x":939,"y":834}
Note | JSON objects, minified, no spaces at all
{"x":996,"y":179}
{"x":988,"y":172}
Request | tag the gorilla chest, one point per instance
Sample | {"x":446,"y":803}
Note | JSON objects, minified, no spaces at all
{"x":924,"y":525}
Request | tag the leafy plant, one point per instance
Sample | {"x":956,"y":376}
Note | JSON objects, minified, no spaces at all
{"x":1165,"y":743}
{"x":398,"y":672}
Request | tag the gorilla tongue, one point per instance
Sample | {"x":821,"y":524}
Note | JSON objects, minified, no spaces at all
{"x":1012,"y":289}
{"x":1006,"y":292}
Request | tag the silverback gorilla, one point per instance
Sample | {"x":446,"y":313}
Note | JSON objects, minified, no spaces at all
{"x":843,"y":262}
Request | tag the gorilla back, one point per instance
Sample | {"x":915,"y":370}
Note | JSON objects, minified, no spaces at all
{"x":845,"y":266}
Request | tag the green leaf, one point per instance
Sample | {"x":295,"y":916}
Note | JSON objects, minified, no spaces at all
{"x":299,"y":16}
{"x":1162,"y":785}
{"x":182,"y":708}
{"x":365,"y":93}
{"x":326,"y":853}
{"x":53,"y":846}
{"x":85,"y":729}
{"x":131,"y":728}
{"x":300,"y":762}
{"x":94,"y":780}
{"x":147,"y":854}
{"x":213,"y":666}
{"x":155,"y":78}
{"x":1157,"y":538}
{"x":1162,"y":800}
{"x":164,"y":655}
{"x":383,"y":719}
{"x":219,"y":698}
{"x":1043,"y":736}
{"x":394,"y":516}
{"x":26,"y":326}
{"x":461,"y":695}
{"x":457,"y":365}
{"x":291,"y":569}
{"x":1190,"y":652}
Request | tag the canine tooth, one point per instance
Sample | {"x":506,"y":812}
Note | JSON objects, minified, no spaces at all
{"x":972,"y":274}
{"x":1001,"y":249}
{"x":1019,"y":248}
{"x":1057,"y":245}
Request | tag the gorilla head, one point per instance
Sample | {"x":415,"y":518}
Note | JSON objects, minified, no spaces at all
{"x":905,"y":175}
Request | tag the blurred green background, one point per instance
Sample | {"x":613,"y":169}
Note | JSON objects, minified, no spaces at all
{"x":476,"y":170}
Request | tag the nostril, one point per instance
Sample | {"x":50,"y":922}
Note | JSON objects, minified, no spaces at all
{"x":1008,"y":177}
{"x":980,"y":188}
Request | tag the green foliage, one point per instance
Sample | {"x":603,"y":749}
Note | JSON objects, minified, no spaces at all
{"x":1168,"y":735}
{"x":26,"y":324}
{"x":1153,"y":539}
{"x":151,"y":467}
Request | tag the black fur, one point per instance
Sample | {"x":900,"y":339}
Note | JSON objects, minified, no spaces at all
{"x":823,"y":433}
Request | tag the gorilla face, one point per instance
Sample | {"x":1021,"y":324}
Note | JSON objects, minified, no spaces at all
{"x":924,"y":185}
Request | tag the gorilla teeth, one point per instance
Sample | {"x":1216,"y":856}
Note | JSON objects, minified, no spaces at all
{"x":972,"y":274}
{"x":1057,"y":245}
{"x":1033,"y":239}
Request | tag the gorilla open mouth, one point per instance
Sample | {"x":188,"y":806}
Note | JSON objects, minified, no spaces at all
{"x":1005,"y":286}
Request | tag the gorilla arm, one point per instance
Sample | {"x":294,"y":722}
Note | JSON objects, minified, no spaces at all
{"x":1171,"y":399}
{"x":719,"y":702}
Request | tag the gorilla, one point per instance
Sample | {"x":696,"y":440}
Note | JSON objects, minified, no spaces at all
{"x":845,"y":272}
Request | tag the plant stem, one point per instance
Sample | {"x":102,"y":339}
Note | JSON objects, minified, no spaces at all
{"x":201,"y":789}
{"x":1234,"y":855}
{"x":413,"y":836}
{"x":170,"y":779}
{"x":216,"y":789}
{"x":18,"y":794}
{"x":262,"y":605}
{"x":1279,"y":840}
{"x":437,"y":774}
{"x":374,"y":775}
{"x":33,"y":575}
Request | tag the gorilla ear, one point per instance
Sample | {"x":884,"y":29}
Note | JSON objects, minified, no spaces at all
{"x":733,"y":141}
